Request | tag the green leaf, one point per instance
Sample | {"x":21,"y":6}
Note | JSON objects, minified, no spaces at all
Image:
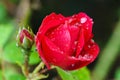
{"x":117,"y":74}
{"x":12,"y":53}
{"x":5,"y":31}
{"x":81,"y":74}
{"x":34,"y":57}
{"x":13,"y":75}
{"x":65,"y":75}
{"x":3,"y":13}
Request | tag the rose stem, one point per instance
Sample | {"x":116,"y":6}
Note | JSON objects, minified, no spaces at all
{"x":26,"y":65}
{"x":40,"y":66}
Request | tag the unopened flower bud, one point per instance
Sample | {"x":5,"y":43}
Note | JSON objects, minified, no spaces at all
{"x":25,"y":38}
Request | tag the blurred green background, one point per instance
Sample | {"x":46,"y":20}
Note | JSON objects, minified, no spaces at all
{"x":106,"y":29}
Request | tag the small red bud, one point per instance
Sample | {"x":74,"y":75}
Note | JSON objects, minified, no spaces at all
{"x":25,"y":38}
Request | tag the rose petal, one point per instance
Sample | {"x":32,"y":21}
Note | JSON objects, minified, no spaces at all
{"x":91,"y":49}
{"x":80,"y":43}
{"x":86,"y":24}
{"x":64,"y":61}
{"x":39,"y":49}
{"x":50,"y":21}
{"x":81,"y":20}
{"x":86,"y":21}
{"x":87,"y":56}
{"x":61,"y":38}
{"x":54,"y":55}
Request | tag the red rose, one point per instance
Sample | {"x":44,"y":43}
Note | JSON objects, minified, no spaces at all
{"x":66,"y":41}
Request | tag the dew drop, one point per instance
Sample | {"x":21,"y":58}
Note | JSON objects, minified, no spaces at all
{"x":67,"y":45}
{"x":76,"y":24}
{"x":87,"y":57}
{"x":53,"y":49}
{"x":62,"y":52}
{"x":90,"y":57}
{"x":89,"y":46}
{"x":92,"y":22}
{"x":75,"y":42}
{"x":73,"y":57}
{"x":70,"y":20}
{"x":73,"y":65}
{"x":73,"y":16}
{"x":52,"y":33}
{"x":87,"y":28}
{"x":83,"y":20}
{"x":92,"y":41}
{"x":79,"y":56}
{"x":91,"y":19}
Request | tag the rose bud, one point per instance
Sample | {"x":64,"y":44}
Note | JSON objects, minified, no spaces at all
{"x":66,"y":41}
{"x":25,"y":38}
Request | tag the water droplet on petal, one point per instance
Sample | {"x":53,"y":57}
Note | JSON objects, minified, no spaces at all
{"x":70,"y":20}
{"x":53,"y":49}
{"x":73,"y":57}
{"x":67,"y":45}
{"x":73,"y":16}
{"x":89,"y":46}
{"x":87,"y":57}
{"x":62,"y":52}
{"x":92,"y":40}
{"x":87,"y":28}
{"x":83,"y":20}
{"x":92,"y":22}
{"x":91,"y":19}
{"x":75,"y":42}
{"x":79,"y":56}
{"x":73,"y":65}
{"x":52,"y":33}
{"x":76,"y":24}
